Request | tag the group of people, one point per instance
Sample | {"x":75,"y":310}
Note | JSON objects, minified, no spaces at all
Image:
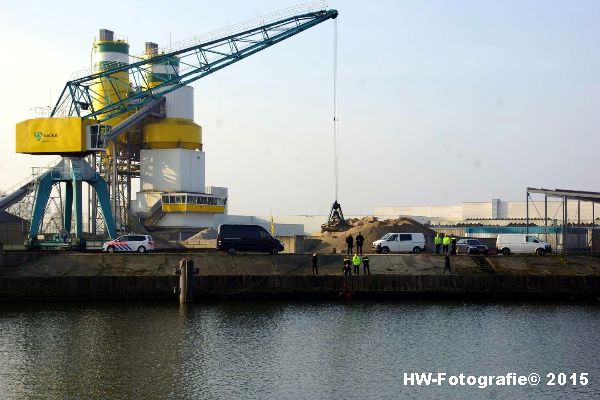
{"x":357,"y":259}
{"x":359,"y":244}
{"x":354,"y":263}
{"x":349,"y":264}
{"x":446,"y":243}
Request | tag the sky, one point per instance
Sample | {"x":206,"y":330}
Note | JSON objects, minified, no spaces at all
{"x":439,"y":102}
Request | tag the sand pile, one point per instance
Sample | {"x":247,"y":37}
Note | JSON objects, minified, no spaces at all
{"x":372,"y":229}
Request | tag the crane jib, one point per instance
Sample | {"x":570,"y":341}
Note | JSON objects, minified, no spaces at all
{"x":78,"y":96}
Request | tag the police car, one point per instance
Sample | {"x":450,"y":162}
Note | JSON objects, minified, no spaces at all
{"x":139,"y":243}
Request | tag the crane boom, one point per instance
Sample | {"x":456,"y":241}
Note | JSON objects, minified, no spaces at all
{"x":197,"y":61}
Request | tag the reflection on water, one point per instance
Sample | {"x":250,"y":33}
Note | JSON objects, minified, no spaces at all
{"x":289,"y":350}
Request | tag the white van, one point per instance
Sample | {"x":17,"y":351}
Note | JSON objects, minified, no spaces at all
{"x":400,"y":243}
{"x":521,"y":243}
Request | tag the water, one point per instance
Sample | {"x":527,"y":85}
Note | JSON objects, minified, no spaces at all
{"x":279,"y":350}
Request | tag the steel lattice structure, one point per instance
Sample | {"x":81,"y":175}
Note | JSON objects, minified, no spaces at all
{"x":195,"y":61}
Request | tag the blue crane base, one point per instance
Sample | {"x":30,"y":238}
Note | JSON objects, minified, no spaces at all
{"x":73,"y":171}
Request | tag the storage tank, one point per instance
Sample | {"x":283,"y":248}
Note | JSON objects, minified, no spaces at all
{"x":108,"y":53}
{"x":162,"y":69}
{"x":177,"y":130}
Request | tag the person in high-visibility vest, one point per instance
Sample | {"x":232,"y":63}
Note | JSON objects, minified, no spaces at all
{"x":446,"y":243}
{"x":437,"y":240}
{"x":356,"y":260}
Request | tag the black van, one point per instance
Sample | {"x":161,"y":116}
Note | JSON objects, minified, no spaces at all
{"x":232,"y":238}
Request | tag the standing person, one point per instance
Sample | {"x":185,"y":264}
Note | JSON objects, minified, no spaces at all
{"x":445,"y":243}
{"x":356,"y":263}
{"x":359,"y":243}
{"x":350,"y":243}
{"x":315,"y":266}
{"x":452,"y":244}
{"x":447,"y":264}
{"x":438,"y":243}
{"x":366,"y":269}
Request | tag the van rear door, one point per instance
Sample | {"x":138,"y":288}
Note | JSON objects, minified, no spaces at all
{"x":513,"y":242}
{"x":418,"y":240}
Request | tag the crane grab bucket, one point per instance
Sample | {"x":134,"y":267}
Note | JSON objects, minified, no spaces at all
{"x":336,"y":221}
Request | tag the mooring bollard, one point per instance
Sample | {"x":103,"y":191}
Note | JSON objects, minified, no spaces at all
{"x":186,"y":281}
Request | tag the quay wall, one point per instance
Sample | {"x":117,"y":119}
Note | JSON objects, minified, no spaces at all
{"x":25,"y":275}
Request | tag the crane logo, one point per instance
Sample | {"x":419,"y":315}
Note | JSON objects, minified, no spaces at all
{"x":45,"y":137}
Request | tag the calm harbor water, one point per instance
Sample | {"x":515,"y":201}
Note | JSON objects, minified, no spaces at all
{"x":279,"y":350}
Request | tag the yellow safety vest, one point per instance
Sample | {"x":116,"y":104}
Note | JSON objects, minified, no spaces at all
{"x":446,"y":240}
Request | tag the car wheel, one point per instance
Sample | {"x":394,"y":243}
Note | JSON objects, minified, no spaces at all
{"x":506,"y":251}
{"x":385,"y":250}
{"x":110,"y":249}
{"x":231,"y":251}
{"x":141,"y":249}
{"x":417,"y":250}
{"x":274,"y":250}
{"x":540,"y":252}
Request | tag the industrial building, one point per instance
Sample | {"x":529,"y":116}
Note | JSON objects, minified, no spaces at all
{"x":569,"y":224}
{"x":494,"y":212}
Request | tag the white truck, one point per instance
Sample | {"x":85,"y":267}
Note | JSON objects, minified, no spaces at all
{"x":522,"y":244}
{"x":400,"y":243}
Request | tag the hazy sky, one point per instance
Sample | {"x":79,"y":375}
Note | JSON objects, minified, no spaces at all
{"x":439,"y":101}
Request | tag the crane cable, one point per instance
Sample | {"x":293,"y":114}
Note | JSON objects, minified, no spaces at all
{"x":335,"y":117}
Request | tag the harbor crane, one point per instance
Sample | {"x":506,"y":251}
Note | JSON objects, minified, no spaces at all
{"x":95,"y":124}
